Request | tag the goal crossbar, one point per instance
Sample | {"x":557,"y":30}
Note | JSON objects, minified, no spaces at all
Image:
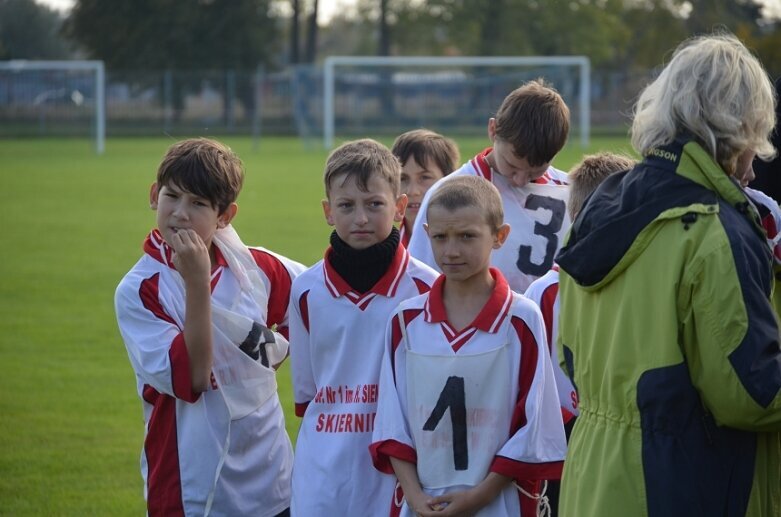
{"x":20,"y":65}
{"x":582,"y":62}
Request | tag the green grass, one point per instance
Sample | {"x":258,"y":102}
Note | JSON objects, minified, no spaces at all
{"x":71,"y":426}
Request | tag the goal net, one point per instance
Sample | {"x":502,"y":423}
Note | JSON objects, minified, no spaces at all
{"x":364,"y":96}
{"x":53,"y":98}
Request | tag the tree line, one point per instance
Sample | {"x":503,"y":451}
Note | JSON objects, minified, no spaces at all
{"x":617,"y":35}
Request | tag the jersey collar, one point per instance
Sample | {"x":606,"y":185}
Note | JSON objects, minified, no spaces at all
{"x":484,"y":170}
{"x":480,"y":164}
{"x":387,"y":285}
{"x":490,"y":316}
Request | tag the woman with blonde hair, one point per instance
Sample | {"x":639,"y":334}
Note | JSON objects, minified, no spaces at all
{"x":667,"y":328}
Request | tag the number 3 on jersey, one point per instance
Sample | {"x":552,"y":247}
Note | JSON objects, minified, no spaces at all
{"x":548,"y":231}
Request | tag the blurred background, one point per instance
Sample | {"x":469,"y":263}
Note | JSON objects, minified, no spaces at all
{"x":255,"y":67}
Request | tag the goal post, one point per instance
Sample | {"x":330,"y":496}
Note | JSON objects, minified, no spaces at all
{"x":50,"y":84}
{"x":333,"y":63}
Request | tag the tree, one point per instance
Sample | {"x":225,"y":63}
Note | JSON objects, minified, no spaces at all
{"x":311,"y":34}
{"x":165,"y":34}
{"x":31,"y":31}
{"x":178,"y":34}
{"x":708,"y":15}
{"x":294,"y":32}
{"x":383,"y":46}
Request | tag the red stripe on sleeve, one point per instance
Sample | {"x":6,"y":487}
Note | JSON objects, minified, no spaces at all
{"x":526,"y":373}
{"x":395,"y":340}
{"x":383,"y":451}
{"x":522,"y":471}
{"x":546,"y":307}
{"x":279,"y":277}
{"x":180,"y":370}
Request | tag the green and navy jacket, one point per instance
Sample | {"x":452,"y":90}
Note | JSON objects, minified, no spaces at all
{"x":669,"y":335}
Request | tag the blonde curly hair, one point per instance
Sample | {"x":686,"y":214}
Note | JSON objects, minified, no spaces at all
{"x":714,"y":89}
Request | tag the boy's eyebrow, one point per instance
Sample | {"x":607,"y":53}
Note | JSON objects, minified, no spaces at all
{"x":369,"y":195}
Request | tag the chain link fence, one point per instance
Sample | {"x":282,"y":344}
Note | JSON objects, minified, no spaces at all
{"x":290,"y":102}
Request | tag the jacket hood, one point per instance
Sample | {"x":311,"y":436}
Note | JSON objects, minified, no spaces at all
{"x":679,"y":181}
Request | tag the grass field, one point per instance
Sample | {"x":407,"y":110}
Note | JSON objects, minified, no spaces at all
{"x":70,"y":422}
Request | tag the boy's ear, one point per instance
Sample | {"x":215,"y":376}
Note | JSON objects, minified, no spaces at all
{"x":401,"y":207}
{"x":501,"y":236}
{"x":492,"y":129}
{"x":327,"y":212}
{"x":225,"y":218}
{"x":154,"y":191}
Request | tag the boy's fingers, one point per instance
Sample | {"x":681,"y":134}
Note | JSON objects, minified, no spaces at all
{"x":185,"y":238}
{"x":440,"y":499}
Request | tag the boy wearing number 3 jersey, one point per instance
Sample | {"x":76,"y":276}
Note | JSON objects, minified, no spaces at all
{"x":338,"y":310}
{"x":468,"y":416}
{"x":529,"y":129}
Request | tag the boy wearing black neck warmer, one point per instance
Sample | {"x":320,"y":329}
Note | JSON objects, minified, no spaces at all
{"x":339,"y":309}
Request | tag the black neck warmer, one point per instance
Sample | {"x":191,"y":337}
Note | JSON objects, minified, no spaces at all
{"x":361,"y":269}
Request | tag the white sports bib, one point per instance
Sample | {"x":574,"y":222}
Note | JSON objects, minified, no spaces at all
{"x":458,"y":407}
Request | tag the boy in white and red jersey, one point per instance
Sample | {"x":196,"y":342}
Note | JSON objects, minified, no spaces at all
{"x":584,"y":178}
{"x":425,"y":157}
{"x":195,"y":314}
{"x":338,"y":309}
{"x":474,"y":347}
{"x":530,"y":127}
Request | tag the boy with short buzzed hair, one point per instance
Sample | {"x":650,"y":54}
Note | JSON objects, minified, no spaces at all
{"x":196,"y":313}
{"x":336,"y":309}
{"x":425,"y":157}
{"x":468,"y":412}
{"x":529,"y":129}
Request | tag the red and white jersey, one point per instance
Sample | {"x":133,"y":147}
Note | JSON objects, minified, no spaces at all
{"x":534,"y":445}
{"x":196,"y":460}
{"x":545,"y":293}
{"x":770,"y":215}
{"x":537,"y":215}
{"x":336,"y":347}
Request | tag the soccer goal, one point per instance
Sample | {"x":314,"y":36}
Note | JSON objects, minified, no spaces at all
{"x":53,"y":98}
{"x":368,"y":95}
